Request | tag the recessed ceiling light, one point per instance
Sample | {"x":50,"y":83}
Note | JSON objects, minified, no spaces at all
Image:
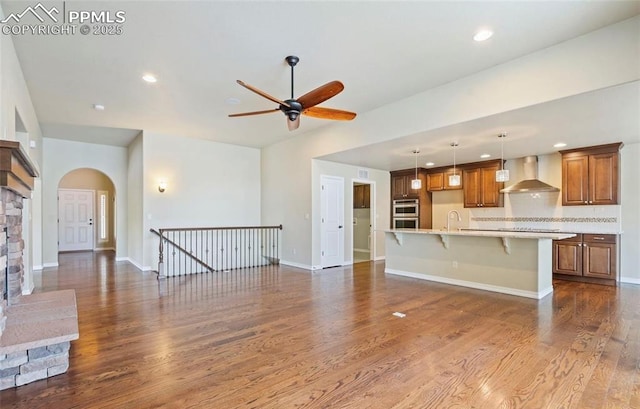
{"x":429,"y":163}
{"x":232,"y":101}
{"x":560,"y":145}
{"x":485,"y":156}
{"x":149,"y":78}
{"x":98,"y":107}
{"x":483,"y":35}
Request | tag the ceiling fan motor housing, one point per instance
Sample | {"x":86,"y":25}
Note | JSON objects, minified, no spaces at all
{"x":293,"y":110}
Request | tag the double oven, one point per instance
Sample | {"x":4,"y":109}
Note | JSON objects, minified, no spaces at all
{"x":406,"y":214}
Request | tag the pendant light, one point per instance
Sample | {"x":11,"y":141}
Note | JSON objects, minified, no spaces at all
{"x":416,"y":183}
{"x":502,"y":175}
{"x":454,"y":180}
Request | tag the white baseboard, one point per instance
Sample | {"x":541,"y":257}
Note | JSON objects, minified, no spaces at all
{"x":630,"y":280}
{"x":37,"y":268}
{"x":47,"y":265}
{"x":362,"y":250}
{"x":135,"y":264}
{"x":104,"y":249}
{"x":297,"y":265}
{"x":27,"y":291}
{"x":478,"y":286}
{"x":380,"y":258}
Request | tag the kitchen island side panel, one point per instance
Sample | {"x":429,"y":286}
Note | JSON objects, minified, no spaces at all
{"x":477,"y":262}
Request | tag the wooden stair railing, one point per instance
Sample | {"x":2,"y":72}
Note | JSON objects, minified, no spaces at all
{"x":216,"y":248}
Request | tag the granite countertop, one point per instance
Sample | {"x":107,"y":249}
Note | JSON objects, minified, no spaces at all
{"x":487,"y":233}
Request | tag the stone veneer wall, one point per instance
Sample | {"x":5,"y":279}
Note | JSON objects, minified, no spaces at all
{"x":13,"y":221}
{"x":23,"y":367}
{"x":11,"y":247}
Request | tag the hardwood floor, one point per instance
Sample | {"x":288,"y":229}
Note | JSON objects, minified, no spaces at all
{"x":280,"y":337}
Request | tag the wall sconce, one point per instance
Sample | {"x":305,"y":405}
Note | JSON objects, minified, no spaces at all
{"x":162,"y":186}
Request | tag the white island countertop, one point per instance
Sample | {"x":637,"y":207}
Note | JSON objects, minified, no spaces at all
{"x":486,"y":233}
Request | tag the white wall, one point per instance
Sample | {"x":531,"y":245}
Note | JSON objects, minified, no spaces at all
{"x":135,"y":179}
{"x":361,"y":230}
{"x":14,"y":96}
{"x":603,"y":58}
{"x":630,"y":190}
{"x":61,"y":157}
{"x":209,"y":184}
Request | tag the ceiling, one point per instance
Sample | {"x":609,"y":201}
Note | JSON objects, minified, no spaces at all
{"x":605,"y":116}
{"x":381,"y":51}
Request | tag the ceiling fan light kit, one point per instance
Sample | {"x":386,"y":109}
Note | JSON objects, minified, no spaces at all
{"x":304,"y":105}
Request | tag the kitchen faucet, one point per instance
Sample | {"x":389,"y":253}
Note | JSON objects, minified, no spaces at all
{"x":449,"y":217}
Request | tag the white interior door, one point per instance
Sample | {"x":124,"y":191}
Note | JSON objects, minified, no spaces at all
{"x":75,"y":219}
{"x":332,"y":222}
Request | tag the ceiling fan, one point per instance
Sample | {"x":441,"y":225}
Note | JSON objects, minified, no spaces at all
{"x":304,"y":105}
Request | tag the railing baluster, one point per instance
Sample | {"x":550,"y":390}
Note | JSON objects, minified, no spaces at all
{"x":183,"y":251}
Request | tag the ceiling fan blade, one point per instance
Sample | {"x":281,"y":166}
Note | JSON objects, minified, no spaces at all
{"x":262,"y":93}
{"x":320,"y":94}
{"x":255,"y":112}
{"x":329,"y":113}
{"x":293,"y":125}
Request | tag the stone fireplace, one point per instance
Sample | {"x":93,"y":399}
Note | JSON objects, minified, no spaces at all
{"x":35,"y":329}
{"x":17,"y":173}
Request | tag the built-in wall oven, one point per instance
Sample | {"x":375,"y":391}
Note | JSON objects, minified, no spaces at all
{"x":405,"y":222}
{"x":406,"y":208}
{"x":406,"y":213}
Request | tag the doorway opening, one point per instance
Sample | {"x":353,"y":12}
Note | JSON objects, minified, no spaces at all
{"x":86,"y":211}
{"x":363,"y":221}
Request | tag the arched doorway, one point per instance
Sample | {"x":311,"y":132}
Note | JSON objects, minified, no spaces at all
{"x":86,"y":211}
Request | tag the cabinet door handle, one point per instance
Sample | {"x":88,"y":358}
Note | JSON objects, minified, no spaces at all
{"x":598,"y":238}
{"x":590,"y":201}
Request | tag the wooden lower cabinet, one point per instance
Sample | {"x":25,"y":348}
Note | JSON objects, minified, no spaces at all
{"x":599,"y":256}
{"x":589,"y":256}
{"x":567,"y":256}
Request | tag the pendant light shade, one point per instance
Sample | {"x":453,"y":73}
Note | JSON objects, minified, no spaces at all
{"x":454,"y":180}
{"x":502,"y":175}
{"x":416,"y":183}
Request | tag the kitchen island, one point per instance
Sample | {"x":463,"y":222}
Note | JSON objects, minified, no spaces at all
{"x":509,"y":262}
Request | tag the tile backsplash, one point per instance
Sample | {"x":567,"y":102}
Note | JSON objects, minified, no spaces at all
{"x":544,"y":211}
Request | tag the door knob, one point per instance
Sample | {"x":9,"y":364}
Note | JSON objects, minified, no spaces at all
{"x":339,"y":227}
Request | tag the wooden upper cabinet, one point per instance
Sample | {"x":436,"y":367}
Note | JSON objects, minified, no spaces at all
{"x":401,"y":186}
{"x":603,"y":178}
{"x":480,"y":186}
{"x":435,"y":181}
{"x":471,"y":179}
{"x":361,"y":196}
{"x":438,"y":179}
{"x":591,"y":176}
{"x":575,"y":180}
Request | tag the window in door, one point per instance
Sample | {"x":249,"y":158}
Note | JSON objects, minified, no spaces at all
{"x":103,"y":211}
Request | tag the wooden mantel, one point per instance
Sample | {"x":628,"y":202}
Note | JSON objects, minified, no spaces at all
{"x":16,"y":169}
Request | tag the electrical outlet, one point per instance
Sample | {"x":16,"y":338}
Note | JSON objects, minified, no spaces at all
{"x":293,"y":251}
{"x":454,"y":264}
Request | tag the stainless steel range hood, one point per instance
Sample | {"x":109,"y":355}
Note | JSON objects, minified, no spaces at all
{"x":531,"y":183}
